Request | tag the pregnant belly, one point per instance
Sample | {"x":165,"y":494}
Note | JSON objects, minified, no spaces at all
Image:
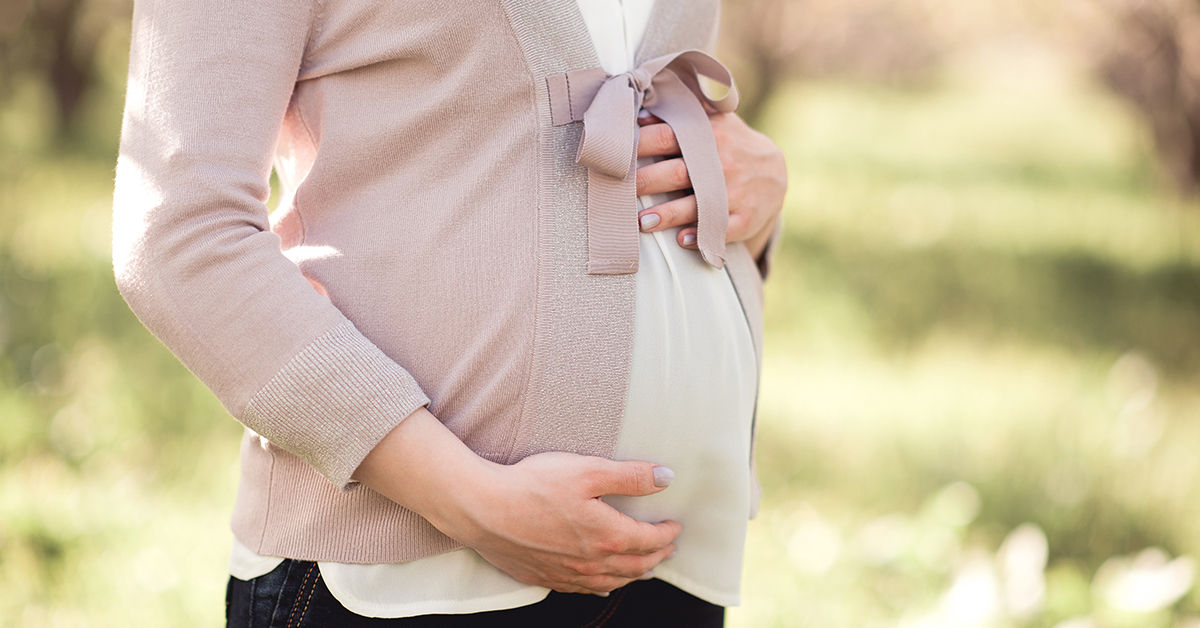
{"x":691,"y":398}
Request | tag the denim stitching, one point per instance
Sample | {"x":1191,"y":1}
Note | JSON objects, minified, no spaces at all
{"x":303,"y":583}
{"x":304,"y":612}
{"x":609,"y":610}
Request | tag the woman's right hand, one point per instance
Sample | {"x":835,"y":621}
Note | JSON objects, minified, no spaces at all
{"x":540,"y":520}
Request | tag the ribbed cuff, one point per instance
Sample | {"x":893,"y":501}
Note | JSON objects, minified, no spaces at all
{"x":333,"y":402}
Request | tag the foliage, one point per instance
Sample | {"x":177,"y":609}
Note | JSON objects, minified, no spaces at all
{"x":1149,"y":53}
{"x":54,"y":45}
{"x":981,"y":365}
{"x":1146,"y":51}
{"x":774,"y":41}
{"x":978,"y":395}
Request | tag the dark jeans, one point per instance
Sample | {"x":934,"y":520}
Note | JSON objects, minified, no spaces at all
{"x":295,"y":595}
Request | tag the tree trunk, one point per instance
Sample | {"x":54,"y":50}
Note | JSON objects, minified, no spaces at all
{"x":69,"y":67}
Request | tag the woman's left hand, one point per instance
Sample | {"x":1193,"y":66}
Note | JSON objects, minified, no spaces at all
{"x":755,"y":179}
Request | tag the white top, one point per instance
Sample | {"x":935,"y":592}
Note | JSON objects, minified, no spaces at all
{"x":690,"y":402}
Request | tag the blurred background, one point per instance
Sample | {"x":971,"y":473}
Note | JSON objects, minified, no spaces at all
{"x":982,"y":373}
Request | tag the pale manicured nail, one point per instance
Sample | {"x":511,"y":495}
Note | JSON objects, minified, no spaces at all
{"x":663,"y":476}
{"x":605,"y":594}
{"x":649,"y":221}
{"x":672,"y":554}
{"x":649,"y":575}
{"x":643,"y":114}
{"x":689,"y":238}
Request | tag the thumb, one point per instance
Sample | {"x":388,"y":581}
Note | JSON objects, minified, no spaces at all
{"x":634,"y":478}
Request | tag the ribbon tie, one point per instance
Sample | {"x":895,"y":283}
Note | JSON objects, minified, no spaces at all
{"x":668,"y":87}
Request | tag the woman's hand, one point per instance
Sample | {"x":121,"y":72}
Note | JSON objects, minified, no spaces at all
{"x":543,"y":522}
{"x":755,"y":179}
{"x":540,"y":520}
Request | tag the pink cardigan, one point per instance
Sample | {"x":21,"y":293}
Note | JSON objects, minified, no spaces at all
{"x":430,"y":247}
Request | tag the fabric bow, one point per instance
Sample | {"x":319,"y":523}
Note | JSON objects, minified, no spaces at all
{"x":668,"y":87}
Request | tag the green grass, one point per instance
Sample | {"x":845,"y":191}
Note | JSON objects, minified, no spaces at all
{"x":983,"y":315}
{"x":985,"y":305}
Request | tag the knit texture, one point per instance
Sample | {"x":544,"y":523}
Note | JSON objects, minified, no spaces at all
{"x":429,"y":247}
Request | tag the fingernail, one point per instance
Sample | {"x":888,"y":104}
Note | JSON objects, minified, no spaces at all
{"x":663,"y":476}
{"x":647,"y":576}
{"x":643,"y":114}
{"x":672,"y":554}
{"x":689,"y":239}
{"x":649,"y":221}
{"x":605,"y":594}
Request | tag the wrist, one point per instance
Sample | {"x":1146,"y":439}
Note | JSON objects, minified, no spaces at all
{"x":462,"y":499}
{"x":422,"y":466}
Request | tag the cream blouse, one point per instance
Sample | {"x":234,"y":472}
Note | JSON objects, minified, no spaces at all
{"x":689,"y":407}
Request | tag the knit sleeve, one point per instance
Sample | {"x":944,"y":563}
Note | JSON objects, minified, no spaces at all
{"x":193,"y":253}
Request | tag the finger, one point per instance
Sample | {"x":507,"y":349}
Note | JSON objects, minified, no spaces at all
{"x":657,"y":139}
{"x":636,"y":565}
{"x":687,"y":238}
{"x":645,"y":117}
{"x":600,"y":584}
{"x":604,"y":585}
{"x":646,"y":538}
{"x":667,"y":175}
{"x":566,"y":587}
{"x":634,"y":478}
{"x":672,"y":213}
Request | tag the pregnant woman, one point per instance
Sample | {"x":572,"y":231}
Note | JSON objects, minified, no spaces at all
{"x":493,"y":369}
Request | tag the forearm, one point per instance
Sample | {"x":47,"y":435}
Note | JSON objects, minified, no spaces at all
{"x":424,"y":467}
{"x":538,"y":520}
